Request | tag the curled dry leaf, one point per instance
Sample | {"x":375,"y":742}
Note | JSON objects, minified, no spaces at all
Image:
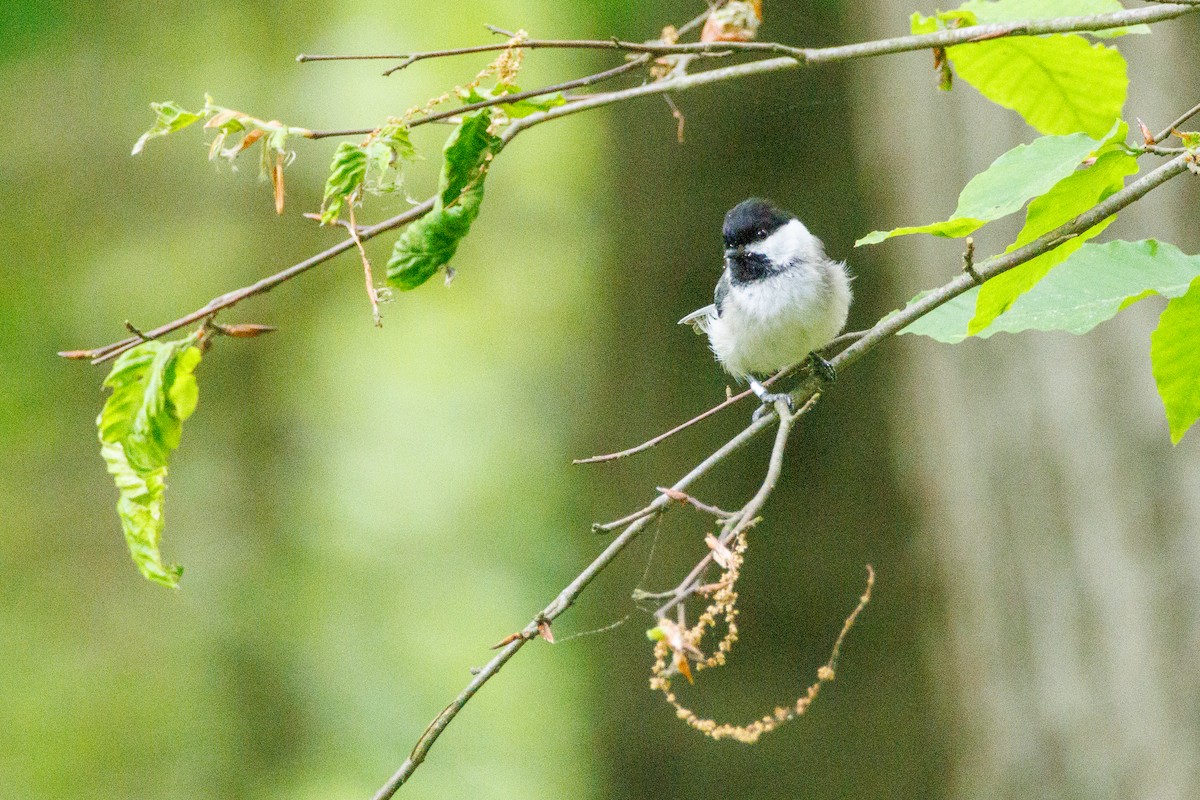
{"x":543,"y":626}
{"x":720,"y":553}
{"x":245,"y":330}
{"x":221,"y":117}
{"x":277,"y":183}
{"x":512,"y":637}
{"x":733,"y":22}
{"x":247,"y":140}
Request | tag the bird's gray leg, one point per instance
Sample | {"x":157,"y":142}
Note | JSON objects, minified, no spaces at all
{"x":768,"y":399}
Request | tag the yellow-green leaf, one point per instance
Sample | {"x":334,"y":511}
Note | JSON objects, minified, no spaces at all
{"x":153,"y":391}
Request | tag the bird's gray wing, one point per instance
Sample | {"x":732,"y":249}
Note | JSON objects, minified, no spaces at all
{"x":697,"y":317}
{"x":722,"y":290}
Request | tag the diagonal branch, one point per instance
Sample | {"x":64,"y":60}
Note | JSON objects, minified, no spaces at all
{"x":1184,"y":117}
{"x":885,"y":328}
{"x":682,"y":82}
{"x":560,"y":604}
{"x":230,"y":299}
{"x":899,"y":44}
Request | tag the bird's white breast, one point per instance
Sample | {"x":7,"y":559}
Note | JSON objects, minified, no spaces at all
{"x":777,"y":321}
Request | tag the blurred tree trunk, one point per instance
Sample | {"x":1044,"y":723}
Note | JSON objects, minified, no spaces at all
{"x":838,"y":506}
{"x":1062,"y":525}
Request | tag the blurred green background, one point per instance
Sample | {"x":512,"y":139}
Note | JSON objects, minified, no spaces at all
{"x":362,"y":512}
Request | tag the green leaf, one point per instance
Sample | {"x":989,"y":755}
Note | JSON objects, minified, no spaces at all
{"x":365,"y":166}
{"x":1175,"y":360}
{"x":948,"y":322}
{"x":516,"y":109}
{"x":168,"y":118}
{"x":1025,"y":172}
{"x":429,"y":243}
{"x":987,"y":11}
{"x":1060,"y":83}
{"x":346,"y":175}
{"x":919,"y":23}
{"x":1091,"y":286}
{"x":386,"y":150}
{"x":1069,"y":198}
{"x":153,"y":391}
{"x":1190,"y":139}
{"x":1096,"y":282}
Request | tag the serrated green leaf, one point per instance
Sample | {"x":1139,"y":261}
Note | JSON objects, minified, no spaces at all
{"x":1059,"y":83}
{"x":429,"y":243}
{"x":346,"y":175}
{"x":919,"y":23}
{"x":1069,"y":198}
{"x":987,"y":11}
{"x":948,"y":322}
{"x":1096,"y":282}
{"x":1091,"y":286}
{"x":386,"y":151}
{"x":365,"y":167}
{"x":518,"y":108}
{"x":1026,"y":171}
{"x":168,"y":118}
{"x":153,"y":391}
{"x":1175,"y":360}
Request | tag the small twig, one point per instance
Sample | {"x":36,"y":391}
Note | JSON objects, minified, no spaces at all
{"x":229,"y":299}
{"x":605,"y":527}
{"x":969,"y":261}
{"x":587,"y":80}
{"x":650,"y":48}
{"x":1184,"y":117}
{"x":646,"y":445}
{"x":679,"y":118}
{"x":141,"y":336}
{"x":1166,"y":152}
{"x":746,"y":516}
{"x":684,"y":497}
{"x":372,"y":295}
{"x":846,"y":338}
{"x":560,"y":604}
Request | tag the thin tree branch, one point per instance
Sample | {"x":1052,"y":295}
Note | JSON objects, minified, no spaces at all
{"x":996,"y":265}
{"x":747,"y":515}
{"x":561,"y":603}
{"x":893,"y":324}
{"x":662,"y":437}
{"x":230,"y":299}
{"x":899,"y":44}
{"x":587,"y":80}
{"x":681,"y":83}
{"x":1191,"y":112}
{"x":972,"y":33}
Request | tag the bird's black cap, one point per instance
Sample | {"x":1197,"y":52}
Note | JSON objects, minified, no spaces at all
{"x":753,"y":220}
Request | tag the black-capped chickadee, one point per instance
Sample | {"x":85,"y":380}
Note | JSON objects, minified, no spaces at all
{"x":779,"y":299}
